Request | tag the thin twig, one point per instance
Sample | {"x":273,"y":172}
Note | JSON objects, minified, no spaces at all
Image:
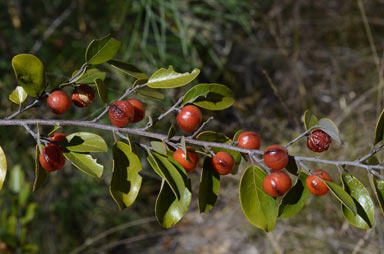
{"x":298,"y":138}
{"x":201,"y":127}
{"x":21,"y":110}
{"x":173,"y":108}
{"x":373,"y":152}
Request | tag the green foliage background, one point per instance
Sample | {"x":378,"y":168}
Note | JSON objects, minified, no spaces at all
{"x":317,"y":54}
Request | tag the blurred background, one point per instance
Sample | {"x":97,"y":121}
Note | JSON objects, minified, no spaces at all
{"x":278,"y":57}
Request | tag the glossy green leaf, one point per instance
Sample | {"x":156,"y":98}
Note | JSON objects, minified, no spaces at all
{"x":364,"y":204}
{"x":309,"y":120}
{"x":379,"y":130}
{"x":292,"y":165}
{"x":170,"y":79}
{"x":259,"y":208}
{"x":171,"y":175}
{"x":169,"y":209}
{"x":85,"y":162}
{"x":3,"y":167}
{"x":85,"y":142}
{"x":379,"y":188}
{"x":126,"y":181}
{"x":342,"y":196}
{"x":18,"y":95}
{"x":295,"y":198}
{"x":29,"y":71}
{"x":147,"y":92}
{"x":101,"y":50}
{"x":159,"y":147}
{"x":330,"y":128}
{"x":153,"y":163}
{"x":16,"y":179}
{"x":209,"y":96}
{"x":127,"y":68}
{"x":209,"y":187}
{"x":101,"y":90}
{"x":90,"y":76}
{"x":41,"y":174}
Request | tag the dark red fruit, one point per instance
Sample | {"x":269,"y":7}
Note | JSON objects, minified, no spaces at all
{"x":139,"y":110}
{"x":52,"y":158}
{"x":121,"y":113}
{"x":179,"y":156}
{"x":189,"y":118}
{"x":83,"y":95}
{"x":315,"y":185}
{"x":275,"y":157}
{"x":277,"y":184}
{"x":57,"y":139}
{"x":249,"y":140}
{"x":58,"y":102}
{"x":223,"y":163}
{"x":318,"y":141}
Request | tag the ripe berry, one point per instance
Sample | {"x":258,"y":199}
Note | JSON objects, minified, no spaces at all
{"x":318,"y":141}
{"x":83,"y":95}
{"x":139,"y":110}
{"x":121,"y":113}
{"x":189,"y":118}
{"x":223,"y":163}
{"x":315,"y":185}
{"x":275,"y":157}
{"x":277,"y":184}
{"x":58,"y":102}
{"x":249,"y":140}
{"x":52,"y":158}
{"x":57,"y":139}
{"x":179,"y":156}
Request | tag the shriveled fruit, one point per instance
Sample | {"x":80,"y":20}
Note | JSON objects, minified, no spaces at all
{"x":315,"y":185}
{"x":275,"y":157}
{"x":223,"y":163}
{"x":58,"y":102}
{"x":179,"y":156}
{"x":189,"y":118}
{"x":83,"y":95}
{"x":121,"y":113}
{"x":277,"y":184}
{"x":318,"y":141}
{"x":52,"y":158}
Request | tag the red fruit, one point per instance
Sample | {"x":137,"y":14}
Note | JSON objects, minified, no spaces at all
{"x":179,"y":156}
{"x":139,"y":110}
{"x":249,"y":140}
{"x":223,"y":163}
{"x":275,"y":157}
{"x":121,"y":113}
{"x":83,"y":95}
{"x":57,"y":139}
{"x":318,"y":141}
{"x":52,"y":158}
{"x":315,"y":185}
{"x":189,"y":118}
{"x":277,"y":184}
{"x":58,"y":102}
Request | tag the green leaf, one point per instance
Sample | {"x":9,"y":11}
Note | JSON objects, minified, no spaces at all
{"x":169,"y":209}
{"x":29,"y":214}
{"x":90,"y":76}
{"x":18,"y":95}
{"x":379,"y":130}
{"x":16,"y":179}
{"x":41,"y":174}
{"x":85,"y":162}
{"x":101,"y":89}
{"x":209,"y":187}
{"x":85,"y":142}
{"x":127,"y":68}
{"x":364,"y":204}
{"x":292,"y":165}
{"x":209,"y":96}
{"x":237,"y":134}
{"x":309,"y":120}
{"x":295,"y":198}
{"x":341,"y":195}
{"x":170,"y":79}
{"x":101,"y":50}
{"x":171,"y":131}
{"x":29,"y":71}
{"x":330,"y":128}
{"x":126,"y":181}
{"x":259,"y":208}
{"x":3,"y":167}
{"x":171,"y":175}
{"x":55,"y":128}
{"x":147,"y":92}
{"x":379,"y":188}
{"x":159,"y":147}
{"x":24,"y":193}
